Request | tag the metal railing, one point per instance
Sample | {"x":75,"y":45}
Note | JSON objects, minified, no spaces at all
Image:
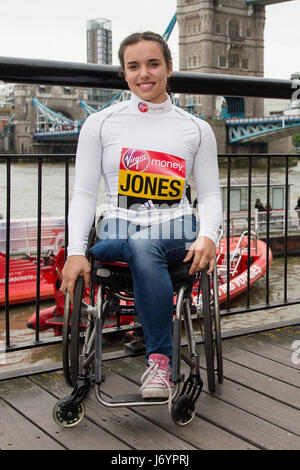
{"x":227,"y":229}
{"x":239,"y":222}
{"x":50,"y":72}
{"x":90,"y":75}
{"x":40,"y":159}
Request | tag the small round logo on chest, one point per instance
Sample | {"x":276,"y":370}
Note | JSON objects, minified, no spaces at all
{"x":143,"y":107}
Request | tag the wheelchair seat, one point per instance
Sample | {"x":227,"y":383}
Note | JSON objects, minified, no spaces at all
{"x":117,"y":276}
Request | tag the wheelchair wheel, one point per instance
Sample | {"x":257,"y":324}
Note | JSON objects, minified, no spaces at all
{"x":66,"y":341}
{"x":217,"y":327}
{"x":67,"y":415}
{"x":82,"y":322}
{"x":212,"y":331}
{"x":183,"y":410}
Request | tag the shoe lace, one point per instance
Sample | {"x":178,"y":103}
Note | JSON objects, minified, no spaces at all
{"x":158,"y":376}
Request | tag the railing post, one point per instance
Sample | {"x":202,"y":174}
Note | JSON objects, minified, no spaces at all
{"x":249,"y":228}
{"x":67,"y":170}
{"x":286,"y":224}
{"x":228,"y":232}
{"x":38,"y":261}
{"x":268,"y":227}
{"x":7,"y":249}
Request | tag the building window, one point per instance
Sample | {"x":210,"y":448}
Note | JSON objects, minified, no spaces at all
{"x":233,"y":29}
{"x":218,"y":28}
{"x":222,"y":61}
{"x":248,"y":32}
{"x":245,"y":64}
{"x":234,"y":61}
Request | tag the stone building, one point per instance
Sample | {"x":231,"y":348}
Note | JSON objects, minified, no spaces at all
{"x":222,"y":36}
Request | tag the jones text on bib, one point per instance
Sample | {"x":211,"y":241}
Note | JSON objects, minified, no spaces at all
{"x":149,"y":179}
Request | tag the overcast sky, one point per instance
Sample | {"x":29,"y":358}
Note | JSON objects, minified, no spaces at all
{"x":56,"y":29}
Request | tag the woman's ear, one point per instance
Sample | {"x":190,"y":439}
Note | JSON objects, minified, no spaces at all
{"x":170,"y":69}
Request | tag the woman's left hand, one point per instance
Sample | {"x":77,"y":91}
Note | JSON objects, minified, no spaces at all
{"x":203,"y":250}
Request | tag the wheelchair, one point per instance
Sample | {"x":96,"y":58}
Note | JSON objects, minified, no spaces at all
{"x":111,"y":291}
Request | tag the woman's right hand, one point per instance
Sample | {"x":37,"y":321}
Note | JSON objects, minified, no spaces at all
{"x":76,"y":265}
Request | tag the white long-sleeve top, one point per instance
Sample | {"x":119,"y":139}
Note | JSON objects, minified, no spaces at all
{"x":146,"y":153}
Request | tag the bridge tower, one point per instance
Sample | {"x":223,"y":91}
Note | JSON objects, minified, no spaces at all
{"x":64,"y":100}
{"x":227,"y":37}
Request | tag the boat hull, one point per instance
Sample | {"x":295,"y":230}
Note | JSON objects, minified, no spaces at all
{"x":258,"y":267}
{"x":23,"y":281}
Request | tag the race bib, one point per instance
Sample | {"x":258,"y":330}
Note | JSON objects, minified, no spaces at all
{"x":150,"y":179}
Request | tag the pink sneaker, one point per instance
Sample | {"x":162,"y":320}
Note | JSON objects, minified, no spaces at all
{"x":156,"y":380}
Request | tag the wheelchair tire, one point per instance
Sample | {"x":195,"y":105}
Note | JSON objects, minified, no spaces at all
{"x":66,"y":333}
{"x":76,"y":330}
{"x":208,"y":332}
{"x":183,"y":410}
{"x":82,"y":325}
{"x":217,"y":329}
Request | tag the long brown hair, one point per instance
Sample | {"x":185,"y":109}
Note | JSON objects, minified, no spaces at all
{"x":145,"y":36}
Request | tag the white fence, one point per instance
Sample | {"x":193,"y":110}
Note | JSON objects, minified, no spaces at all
{"x":239,"y":222}
{"x":24,"y":232}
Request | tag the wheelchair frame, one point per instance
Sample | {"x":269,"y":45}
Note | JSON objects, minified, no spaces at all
{"x":84,"y":368}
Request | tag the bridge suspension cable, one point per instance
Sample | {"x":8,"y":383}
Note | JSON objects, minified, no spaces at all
{"x":255,"y":129}
{"x":117,"y":97}
{"x":49,"y":114}
{"x":170,"y":27}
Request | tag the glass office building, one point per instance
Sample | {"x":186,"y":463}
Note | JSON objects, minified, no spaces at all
{"x":99,"y":51}
{"x":99,"y":41}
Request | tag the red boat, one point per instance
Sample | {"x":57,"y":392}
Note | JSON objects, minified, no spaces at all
{"x":22,"y":279}
{"x":52,"y":316}
{"x":238,"y":268}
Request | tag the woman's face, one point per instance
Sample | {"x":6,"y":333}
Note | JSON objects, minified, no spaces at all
{"x":146,"y":71}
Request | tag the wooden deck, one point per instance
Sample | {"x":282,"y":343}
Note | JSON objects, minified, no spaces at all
{"x":257,"y":406}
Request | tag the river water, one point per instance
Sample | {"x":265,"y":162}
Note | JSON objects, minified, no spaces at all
{"x":24,"y":204}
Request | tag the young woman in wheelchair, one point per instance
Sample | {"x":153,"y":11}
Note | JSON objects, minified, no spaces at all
{"x":146,"y":149}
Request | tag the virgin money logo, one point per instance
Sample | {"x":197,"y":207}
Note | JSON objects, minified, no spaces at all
{"x":137,"y":160}
{"x":143,"y":107}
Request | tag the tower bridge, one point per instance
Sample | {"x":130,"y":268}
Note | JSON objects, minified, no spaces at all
{"x":38,"y":106}
{"x":52,"y":125}
{"x":261,"y":129}
{"x":215,"y":36}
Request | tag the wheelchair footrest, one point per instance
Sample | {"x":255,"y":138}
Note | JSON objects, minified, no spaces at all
{"x":134,"y":398}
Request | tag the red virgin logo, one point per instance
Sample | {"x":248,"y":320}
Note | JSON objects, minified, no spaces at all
{"x":137,"y":160}
{"x":143,"y":107}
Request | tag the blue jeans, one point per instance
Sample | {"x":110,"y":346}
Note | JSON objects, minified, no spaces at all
{"x":149,"y":251}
